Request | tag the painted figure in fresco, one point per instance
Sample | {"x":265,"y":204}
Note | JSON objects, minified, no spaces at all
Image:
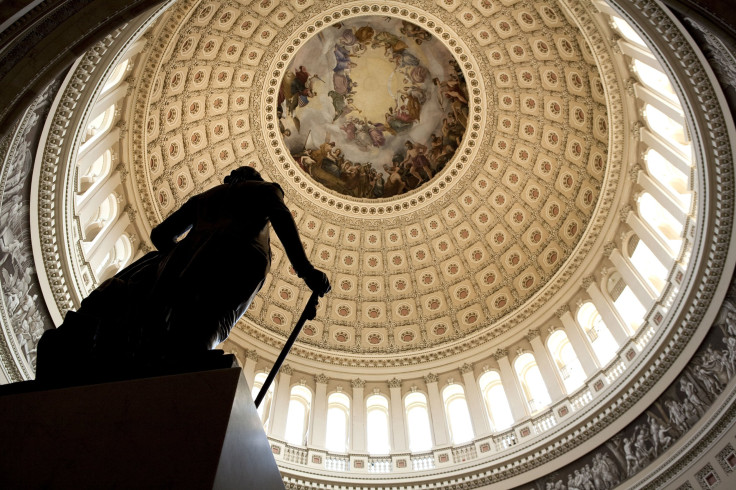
{"x":416,"y":160}
{"x":180,"y":301}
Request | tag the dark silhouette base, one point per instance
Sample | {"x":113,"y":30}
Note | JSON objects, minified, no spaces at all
{"x":193,"y":430}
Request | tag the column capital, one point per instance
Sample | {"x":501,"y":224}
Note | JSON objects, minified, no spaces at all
{"x":431,"y":378}
{"x":500,"y":353}
{"x":321,"y":378}
{"x":608,"y":248}
{"x":533,"y":333}
{"x":562,"y":310}
{"x":286,"y":369}
{"x":587,"y":281}
{"x":358,"y":383}
{"x":252,"y":354}
{"x":466,"y":368}
{"x":394,"y":383}
{"x":624,"y":212}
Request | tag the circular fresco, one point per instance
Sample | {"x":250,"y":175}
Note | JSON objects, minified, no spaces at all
{"x":373,"y":107}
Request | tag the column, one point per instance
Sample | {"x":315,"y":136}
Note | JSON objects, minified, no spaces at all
{"x":641,"y":289}
{"x":357,"y":409}
{"x":511,"y":386}
{"x":318,"y":431}
{"x":609,"y":315}
{"x":398,"y":430}
{"x":547,"y":367}
{"x":249,"y":370}
{"x":581,"y":346}
{"x":88,"y":204}
{"x":437,"y":411}
{"x":671,"y":154}
{"x":658,"y":247}
{"x":481,"y":425}
{"x":663,"y":197}
{"x":648,"y":96}
{"x":105,"y":240}
{"x":281,"y":398}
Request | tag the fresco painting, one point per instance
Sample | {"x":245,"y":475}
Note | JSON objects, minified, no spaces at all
{"x":373,"y":107}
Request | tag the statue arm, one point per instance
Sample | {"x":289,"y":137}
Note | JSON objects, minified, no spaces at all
{"x":165,"y":235}
{"x":285,"y":227}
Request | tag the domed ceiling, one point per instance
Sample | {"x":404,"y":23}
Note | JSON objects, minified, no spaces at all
{"x":443,"y":170}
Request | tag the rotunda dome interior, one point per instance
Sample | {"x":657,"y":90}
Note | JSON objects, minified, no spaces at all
{"x":510,"y":197}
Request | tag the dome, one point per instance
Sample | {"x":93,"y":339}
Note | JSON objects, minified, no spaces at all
{"x":515,"y":201}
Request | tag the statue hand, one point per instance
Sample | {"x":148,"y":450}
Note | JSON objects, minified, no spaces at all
{"x":318,"y":282}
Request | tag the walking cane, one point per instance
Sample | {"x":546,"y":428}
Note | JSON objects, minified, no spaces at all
{"x":310,"y":311}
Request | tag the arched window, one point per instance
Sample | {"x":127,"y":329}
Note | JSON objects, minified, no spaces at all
{"x":97,"y":172}
{"x":116,"y":76}
{"x":298,"y":416}
{"x":338,"y":417}
{"x":417,"y":422}
{"x":655,"y":80}
{"x":377,"y":441}
{"x":99,"y":125}
{"x":660,"y":220}
{"x":625,"y":301}
{"x":532,"y":382}
{"x":116,"y":259}
{"x":604,"y":345}
{"x":667,"y":128}
{"x":497,"y":405}
{"x":566,"y":361}
{"x":458,"y":416}
{"x":264,"y":409}
{"x":644,"y":261}
{"x":670,"y":177}
{"x":106,"y":212}
{"x":627,"y":31}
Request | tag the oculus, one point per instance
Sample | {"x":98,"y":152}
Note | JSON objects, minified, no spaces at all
{"x":373,"y":107}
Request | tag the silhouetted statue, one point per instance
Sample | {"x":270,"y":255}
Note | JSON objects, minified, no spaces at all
{"x":175,"y":304}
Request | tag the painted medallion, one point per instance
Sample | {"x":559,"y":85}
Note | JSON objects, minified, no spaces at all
{"x":373,"y":107}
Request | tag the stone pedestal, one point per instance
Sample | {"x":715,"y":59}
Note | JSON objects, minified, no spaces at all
{"x":194,"y":430}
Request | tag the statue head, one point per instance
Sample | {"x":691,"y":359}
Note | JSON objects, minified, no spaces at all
{"x":241,"y":174}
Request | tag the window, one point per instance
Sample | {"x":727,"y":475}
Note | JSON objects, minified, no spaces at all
{"x":497,"y":404}
{"x":116,"y":76}
{"x":99,"y":125}
{"x":670,"y":177}
{"x":97,"y":172}
{"x":116,"y":258}
{"x":627,"y":31}
{"x":660,"y":220}
{"x":672,"y":131}
{"x":458,"y":416}
{"x":377,"y":425}
{"x":298,"y":416}
{"x":566,"y":360}
{"x":338,"y":417}
{"x":650,"y":268}
{"x":532,"y":382}
{"x":604,"y":345}
{"x":264,"y":409}
{"x":106,"y":212}
{"x":417,"y":422}
{"x":655,"y":80}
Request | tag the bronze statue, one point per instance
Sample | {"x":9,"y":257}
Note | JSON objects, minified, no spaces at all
{"x":175,"y":304}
